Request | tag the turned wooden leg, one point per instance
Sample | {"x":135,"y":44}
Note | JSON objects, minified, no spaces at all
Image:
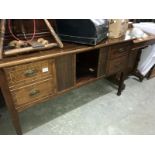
{"x":121,"y":86}
{"x":139,"y":75}
{"x":9,"y":102}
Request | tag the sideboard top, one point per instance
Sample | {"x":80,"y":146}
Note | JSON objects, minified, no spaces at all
{"x":69,"y":48}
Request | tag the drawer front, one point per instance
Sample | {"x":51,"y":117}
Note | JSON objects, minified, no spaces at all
{"x":119,"y":50}
{"x":26,"y":95}
{"x":117,"y":65}
{"x":30,"y":72}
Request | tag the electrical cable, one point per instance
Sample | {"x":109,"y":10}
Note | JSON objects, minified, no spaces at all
{"x":16,"y":38}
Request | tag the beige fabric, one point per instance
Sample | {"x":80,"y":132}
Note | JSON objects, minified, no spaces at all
{"x":117,"y":27}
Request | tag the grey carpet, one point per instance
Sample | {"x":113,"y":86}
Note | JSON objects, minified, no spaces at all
{"x":91,"y":109}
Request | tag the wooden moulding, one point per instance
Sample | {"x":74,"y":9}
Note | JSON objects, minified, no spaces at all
{"x":28,"y":49}
{"x":60,"y":52}
{"x":2,"y":33}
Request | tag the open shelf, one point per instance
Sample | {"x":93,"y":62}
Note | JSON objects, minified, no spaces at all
{"x":86,"y":66}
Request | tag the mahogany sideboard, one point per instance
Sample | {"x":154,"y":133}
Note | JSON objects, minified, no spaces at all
{"x":32,"y":78}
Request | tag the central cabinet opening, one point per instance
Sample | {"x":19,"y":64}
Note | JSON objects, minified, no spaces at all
{"x":86,"y":66}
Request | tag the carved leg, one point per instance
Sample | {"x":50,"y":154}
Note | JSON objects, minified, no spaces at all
{"x":140,"y":76}
{"x":121,"y":86}
{"x":9,"y":102}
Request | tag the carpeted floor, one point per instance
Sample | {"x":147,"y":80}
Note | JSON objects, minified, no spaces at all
{"x":91,"y":109}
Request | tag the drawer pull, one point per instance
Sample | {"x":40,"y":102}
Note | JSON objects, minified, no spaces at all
{"x":34,"y":92}
{"x":121,"y":50}
{"x":118,"y":66}
{"x":30,"y":72}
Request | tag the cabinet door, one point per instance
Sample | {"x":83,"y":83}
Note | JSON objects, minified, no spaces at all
{"x":103,"y":57}
{"x":133,"y":58}
{"x":65,"y":70}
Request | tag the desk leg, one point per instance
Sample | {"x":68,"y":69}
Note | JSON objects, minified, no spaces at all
{"x":121,"y":85}
{"x":9,"y":102}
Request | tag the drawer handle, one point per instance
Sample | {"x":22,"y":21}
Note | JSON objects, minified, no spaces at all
{"x":34,"y":92}
{"x":121,"y":50}
{"x":119,"y":65}
{"x":30,"y":72}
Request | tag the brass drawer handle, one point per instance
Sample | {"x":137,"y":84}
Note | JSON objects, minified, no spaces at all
{"x":34,"y":92}
{"x":30,"y":72}
{"x":119,"y":65}
{"x":121,"y":50}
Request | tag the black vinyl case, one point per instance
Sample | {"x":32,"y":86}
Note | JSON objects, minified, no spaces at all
{"x":83,"y":31}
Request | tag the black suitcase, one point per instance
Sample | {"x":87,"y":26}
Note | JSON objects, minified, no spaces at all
{"x":84,"y":31}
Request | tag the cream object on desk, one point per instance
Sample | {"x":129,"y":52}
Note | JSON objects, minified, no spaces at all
{"x":117,"y":27}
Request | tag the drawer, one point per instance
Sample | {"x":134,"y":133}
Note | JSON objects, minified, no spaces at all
{"x":30,"y":72}
{"x":28,"y":94}
{"x":117,"y":65}
{"x":119,"y":50}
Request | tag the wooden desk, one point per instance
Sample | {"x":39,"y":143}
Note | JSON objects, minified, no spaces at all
{"x":135,"y":55}
{"x":30,"y":79}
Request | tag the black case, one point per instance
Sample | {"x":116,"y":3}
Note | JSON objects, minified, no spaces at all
{"x":84,"y":31}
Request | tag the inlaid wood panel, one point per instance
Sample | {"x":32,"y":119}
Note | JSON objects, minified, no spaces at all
{"x":102,"y":64}
{"x":30,"y":93}
{"x":65,"y":71}
{"x":30,"y":72}
{"x":117,"y":65}
{"x":119,"y":50}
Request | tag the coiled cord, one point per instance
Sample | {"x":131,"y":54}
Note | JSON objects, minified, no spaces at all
{"x":16,"y":38}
